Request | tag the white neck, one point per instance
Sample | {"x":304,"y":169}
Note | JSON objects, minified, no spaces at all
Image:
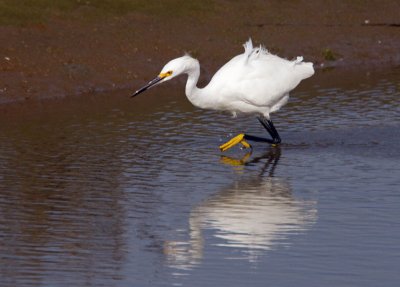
{"x":198,"y":97}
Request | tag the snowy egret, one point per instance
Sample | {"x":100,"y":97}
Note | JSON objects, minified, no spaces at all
{"x":255,"y":82}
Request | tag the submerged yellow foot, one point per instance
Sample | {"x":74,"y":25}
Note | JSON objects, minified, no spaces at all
{"x":235,"y":162}
{"x":234,"y":141}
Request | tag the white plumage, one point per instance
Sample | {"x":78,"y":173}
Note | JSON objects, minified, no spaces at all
{"x":255,"y":82}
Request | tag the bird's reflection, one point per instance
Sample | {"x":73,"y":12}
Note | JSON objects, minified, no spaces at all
{"x":252,"y":215}
{"x":272,"y":157}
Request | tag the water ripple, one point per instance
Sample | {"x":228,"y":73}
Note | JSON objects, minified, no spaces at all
{"x":108,"y":191}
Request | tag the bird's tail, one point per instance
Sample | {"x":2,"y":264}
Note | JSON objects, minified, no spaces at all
{"x":304,"y":69}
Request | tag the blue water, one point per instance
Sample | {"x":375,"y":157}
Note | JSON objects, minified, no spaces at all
{"x":108,"y":191}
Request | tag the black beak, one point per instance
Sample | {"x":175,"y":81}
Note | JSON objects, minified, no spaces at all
{"x":149,"y":85}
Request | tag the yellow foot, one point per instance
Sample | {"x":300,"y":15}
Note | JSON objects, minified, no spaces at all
{"x":234,"y":141}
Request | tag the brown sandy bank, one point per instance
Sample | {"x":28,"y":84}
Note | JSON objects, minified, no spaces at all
{"x":88,"y":48}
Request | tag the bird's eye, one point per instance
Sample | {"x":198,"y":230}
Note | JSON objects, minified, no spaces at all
{"x":169,"y":73}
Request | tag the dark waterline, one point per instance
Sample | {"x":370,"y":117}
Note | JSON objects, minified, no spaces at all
{"x":109,"y":191}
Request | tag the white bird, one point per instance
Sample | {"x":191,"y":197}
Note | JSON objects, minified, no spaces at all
{"x":255,"y":82}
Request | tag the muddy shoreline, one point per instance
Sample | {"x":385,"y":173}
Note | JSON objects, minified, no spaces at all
{"x":73,"y":54}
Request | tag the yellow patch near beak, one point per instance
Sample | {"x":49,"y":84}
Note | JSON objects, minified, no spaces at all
{"x":164,"y":75}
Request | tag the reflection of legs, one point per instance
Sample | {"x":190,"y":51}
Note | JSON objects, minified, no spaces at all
{"x":241,"y":138}
{"x":272,"y":158}
{"x":236,"y":162}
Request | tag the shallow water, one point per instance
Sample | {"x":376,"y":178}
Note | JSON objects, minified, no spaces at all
{"x":108,"y":191}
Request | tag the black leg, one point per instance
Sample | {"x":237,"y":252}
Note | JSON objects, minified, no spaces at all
{"x":257,"y":139}
{"x":266,"y":125}
{"x":277,"y":137}
{"x":269,"y":126}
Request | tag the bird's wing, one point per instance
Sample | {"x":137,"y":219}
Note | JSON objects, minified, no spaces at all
{"x":259,"y":78}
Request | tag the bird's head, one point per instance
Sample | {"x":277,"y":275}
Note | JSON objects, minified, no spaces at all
{"x":172,"y":69}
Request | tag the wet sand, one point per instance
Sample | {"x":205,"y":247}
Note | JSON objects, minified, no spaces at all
{"x":86,"y":50}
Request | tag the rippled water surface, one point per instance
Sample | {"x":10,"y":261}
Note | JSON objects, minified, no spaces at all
{"x":108,"y":191}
